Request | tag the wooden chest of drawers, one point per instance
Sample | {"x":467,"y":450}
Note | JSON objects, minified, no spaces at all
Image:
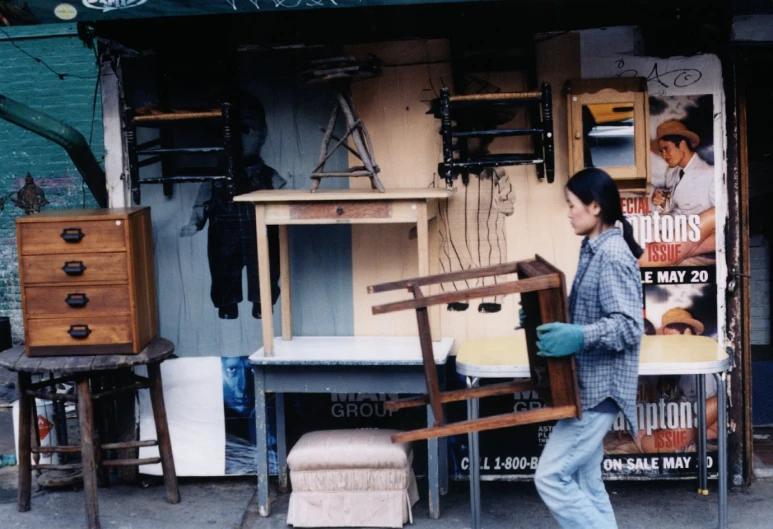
{"x":87,"y":281}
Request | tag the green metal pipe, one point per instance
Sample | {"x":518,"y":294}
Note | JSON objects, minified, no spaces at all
{"x":63,"y":134}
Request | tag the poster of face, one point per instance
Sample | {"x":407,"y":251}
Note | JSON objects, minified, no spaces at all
{"x":240,"y":424}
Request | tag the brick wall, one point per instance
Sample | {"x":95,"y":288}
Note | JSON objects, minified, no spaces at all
{"x":31,"y":82}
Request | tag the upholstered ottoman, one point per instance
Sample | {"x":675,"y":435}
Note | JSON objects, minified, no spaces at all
{"x":351,"y":478}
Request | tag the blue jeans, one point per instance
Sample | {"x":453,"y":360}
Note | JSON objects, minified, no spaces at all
{"x":568,"y":477}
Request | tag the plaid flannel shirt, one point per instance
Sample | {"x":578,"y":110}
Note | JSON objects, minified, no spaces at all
{"x":606,"y":299}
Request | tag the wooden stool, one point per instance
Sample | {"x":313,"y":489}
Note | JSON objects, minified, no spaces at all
{"x":85,"y":372}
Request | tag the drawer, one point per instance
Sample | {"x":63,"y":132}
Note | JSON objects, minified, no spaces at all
{"x":72,"y":236}
{"x":366,"y":209}
{"x":76,"y":301}
{"x":76,"y":333}
{"x":82,"y":268}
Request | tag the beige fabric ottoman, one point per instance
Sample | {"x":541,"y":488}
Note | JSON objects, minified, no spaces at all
{"x":351,"y":478}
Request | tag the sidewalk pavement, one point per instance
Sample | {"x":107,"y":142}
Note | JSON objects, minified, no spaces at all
{"x":229,"y":503}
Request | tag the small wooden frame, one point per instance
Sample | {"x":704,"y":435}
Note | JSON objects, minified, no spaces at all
{"x":543,"y":296}
{"x":600,"y":110}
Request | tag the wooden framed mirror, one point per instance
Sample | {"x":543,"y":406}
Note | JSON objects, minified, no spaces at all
{"x":608,"y":123}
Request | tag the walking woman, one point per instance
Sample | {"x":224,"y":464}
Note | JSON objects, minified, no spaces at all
{"x":605,"y":305}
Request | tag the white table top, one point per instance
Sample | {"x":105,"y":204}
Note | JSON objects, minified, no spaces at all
{"x":323,"y":195}
{"x":351,"y":351}
{"x":660,"y":355}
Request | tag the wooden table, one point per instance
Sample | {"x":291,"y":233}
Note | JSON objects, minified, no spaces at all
{"x":347,"y":206}
{"x":659,"y":355}
{"x":82,"y":369}
{"x":344,"y":364}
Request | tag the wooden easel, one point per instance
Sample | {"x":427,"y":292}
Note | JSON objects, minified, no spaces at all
{"x":543,"y":296}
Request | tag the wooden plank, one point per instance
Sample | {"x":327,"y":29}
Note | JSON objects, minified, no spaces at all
{"x":49,"y":382}
{"x":158,"y":350}
{"x":490,"y":390}
{"x":99,"y":267}
{"x":113,"y":330}
{"x":78,"y":350}
{"x":502,"y":96}
{"x":128,"y":444}
{"x":428,"y":360}
{"x":511,"y":287}
{"x":116,"y":391}
{"x":505,"y":420}
{"x":500,"y":269}
{"x":337,"y":195}
{"x":56,"y":449}
{"x":78,"y":364}
{"x":162,"y":433}
{"x":264,"y":280}
{"x":131,"y":462}
{"x":51,"y":396}
{"x":142,"y":279}
{"x":422,"y":246}
{"x":746,"y":353}
{"x":284,"y":282}
{"x":44,"y":466}
{"x":95,"y":236}
{"x":30,"y":364}
{"x":9,"y":357}
{"x":98,"y":300}
{"x":55,"y":215}
{"x":563,"y":382}
{"x":86,"y":422}
{"x":25,"y":434}
{"x":341,"y":210}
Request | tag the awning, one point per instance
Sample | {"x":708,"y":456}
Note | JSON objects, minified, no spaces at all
{"x":52,"y":11}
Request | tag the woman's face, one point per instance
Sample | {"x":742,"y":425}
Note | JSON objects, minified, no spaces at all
{"x":585,"y":219}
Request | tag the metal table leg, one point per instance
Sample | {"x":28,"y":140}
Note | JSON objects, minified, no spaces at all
{"x":433,"y":470}
{"x":703,"y":487}
{"x":473,"y":412}
{"x":722,"y":449}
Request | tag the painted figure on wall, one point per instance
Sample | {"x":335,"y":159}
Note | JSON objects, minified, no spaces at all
{"x":231,"y":244}
{"x":472,"y":225}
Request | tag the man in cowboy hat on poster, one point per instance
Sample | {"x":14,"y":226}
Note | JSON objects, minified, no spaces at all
{"x":679,"y":321}
{"x":689,"y":178}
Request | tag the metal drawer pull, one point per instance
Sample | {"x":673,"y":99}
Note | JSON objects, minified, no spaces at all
{"x":79,"y":331}
{"x":340,"y":210}
{"x":76,"y":300}
{"x":74,"y":268}
{"x":72,"y":235}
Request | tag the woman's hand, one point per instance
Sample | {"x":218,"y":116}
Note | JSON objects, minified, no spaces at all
{"x":559,"y":339}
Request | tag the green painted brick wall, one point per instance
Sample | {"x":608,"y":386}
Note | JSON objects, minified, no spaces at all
{"x":27,"y":57}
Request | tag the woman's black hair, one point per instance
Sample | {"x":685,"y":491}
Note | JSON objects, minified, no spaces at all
{"x":595,"y":184}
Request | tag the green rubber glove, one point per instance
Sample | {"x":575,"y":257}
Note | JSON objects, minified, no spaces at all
{"x":559,"y":339}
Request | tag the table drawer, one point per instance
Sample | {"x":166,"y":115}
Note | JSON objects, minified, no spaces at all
{"x":76,"y":301}
{"x":79,"y":332}
{"x":80,"y":268}
{"x":72,"y":236}
{"x":367,"y":209}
